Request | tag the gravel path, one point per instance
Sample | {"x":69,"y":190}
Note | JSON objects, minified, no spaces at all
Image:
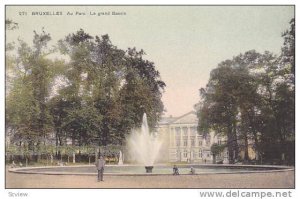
{"x":255,"y":180}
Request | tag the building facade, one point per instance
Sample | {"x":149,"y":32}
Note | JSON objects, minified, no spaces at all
{"x":182,"y":142}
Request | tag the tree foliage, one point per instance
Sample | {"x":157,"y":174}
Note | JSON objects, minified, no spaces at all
{"x":92,"y":98}
{"x":28,"y":92}
{"x":251,"y":98}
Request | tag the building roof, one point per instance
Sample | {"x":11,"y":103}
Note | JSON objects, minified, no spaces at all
{"x":188,"y":118}
{"x":166,"y":120}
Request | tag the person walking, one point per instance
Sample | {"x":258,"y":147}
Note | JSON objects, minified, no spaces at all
{"x":193,"y":171}
{"x":100,"y":167}
{"x":175,"y":170}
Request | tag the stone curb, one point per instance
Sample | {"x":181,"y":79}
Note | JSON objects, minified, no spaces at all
{"x":26,"y":170}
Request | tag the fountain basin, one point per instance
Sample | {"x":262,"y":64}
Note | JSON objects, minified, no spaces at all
{"x":148,"y":169}
{"x":127,"y":170}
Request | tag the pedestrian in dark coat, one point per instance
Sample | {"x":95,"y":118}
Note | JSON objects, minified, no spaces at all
{"x":175,"y":170}
{"x":100,"y":167}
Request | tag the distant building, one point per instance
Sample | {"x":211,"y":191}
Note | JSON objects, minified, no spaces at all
{"x":182,"y":143}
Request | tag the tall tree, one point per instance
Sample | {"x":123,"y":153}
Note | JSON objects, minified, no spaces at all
{"x":76,"y":120}
{"x":220,"y":106}
{"x":141,"y":91}
{"x":32,"y":72}
{"x":251,"y":97}
{"x":119,"y":85}
{"x":287,"y":56}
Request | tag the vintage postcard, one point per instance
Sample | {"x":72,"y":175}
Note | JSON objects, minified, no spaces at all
{"x":150,"y":96}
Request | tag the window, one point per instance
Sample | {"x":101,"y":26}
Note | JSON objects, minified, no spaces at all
{"x":177,"y":129}
{"x":200,"y":143}
{"x":200,"y":153}
{"x":185,"y":131}
{"x":178,"y":142}
{"x":178,"y":154}
{"x":194,"y":153}
{"x":219,"y":142}
{"x":185,"y":153}
{"x":208,"y":138}
{"x":192,"y":142}
{"x":184,"y":142}
{"x":193,"y":130}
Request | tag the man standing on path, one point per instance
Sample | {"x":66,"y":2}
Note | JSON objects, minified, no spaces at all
{"x":100,"y":167}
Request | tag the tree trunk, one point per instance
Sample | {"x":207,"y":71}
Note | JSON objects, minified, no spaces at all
{"x":235,"y":143}
{"x":246,"y":156}
{"x":58,"y":155}
{"x":230,"y":149}
{"x":79,"y":156}
{"x":38,"y":151}
{"x":105,"y":133}
{"x":74,"y":157}
{"x":230,"y":145}
{"x":256,"y":148}
{"x":56,"y":141}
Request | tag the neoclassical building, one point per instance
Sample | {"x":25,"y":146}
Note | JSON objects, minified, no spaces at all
{"x":182,"y":143}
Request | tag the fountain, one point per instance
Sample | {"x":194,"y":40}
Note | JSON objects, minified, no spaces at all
{"x":144,"y":146}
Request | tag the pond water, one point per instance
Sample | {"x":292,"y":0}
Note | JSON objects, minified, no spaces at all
{"x":160,"y":169}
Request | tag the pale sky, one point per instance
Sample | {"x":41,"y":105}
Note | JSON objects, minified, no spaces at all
{"x":184,"y":42}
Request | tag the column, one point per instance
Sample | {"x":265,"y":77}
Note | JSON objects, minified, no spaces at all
{"x":190,"y":151}
{"x":174,"y":147}
{"x":181,"y":144}
{"x":181,"y":139}
{"x":189,"y":137}
{"x":170,"y":137}
{"x":170,"y":142}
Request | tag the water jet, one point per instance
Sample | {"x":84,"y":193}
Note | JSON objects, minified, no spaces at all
{"x":144,"y":146}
